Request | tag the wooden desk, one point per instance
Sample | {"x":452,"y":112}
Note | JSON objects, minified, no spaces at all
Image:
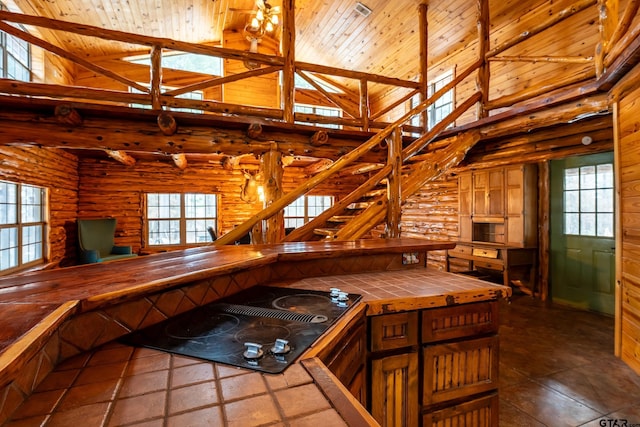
{"x":516,"y":265}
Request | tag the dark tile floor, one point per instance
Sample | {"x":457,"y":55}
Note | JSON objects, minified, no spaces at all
{"x":557,"y":368}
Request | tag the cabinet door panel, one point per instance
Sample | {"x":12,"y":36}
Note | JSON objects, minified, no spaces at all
{"x":391,"y":331}
{"x":459,"y":369}
{"x":482,"y":412}
{"x":394,"y":390}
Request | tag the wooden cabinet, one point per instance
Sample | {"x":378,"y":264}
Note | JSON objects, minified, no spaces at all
{"x":346,"y":357}
{"x":393,"y":344}
{"x":435,"y":366}
{"x":499,"y":206}
{"x":460,"y":365}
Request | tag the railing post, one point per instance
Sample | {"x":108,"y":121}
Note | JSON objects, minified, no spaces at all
{"x":424,"y":59}
{"x":483,"y":77}
{"x":364,"y":104}
{"x":272,"y":171}
{"x":156,"y":77}
{"x":288,"y":51}
{"x":394,"y":190}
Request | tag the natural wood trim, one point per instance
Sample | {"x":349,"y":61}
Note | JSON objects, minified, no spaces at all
{"x":342,"y":400}
{"x":394,"y":184}
{"x":623,"y":26}
{"x":156,"y":77}
{"x":423,"y":20}
{"x":70,"y":56}
{"x":357,"y":75}
{"x":335,"y":100}
{"x":180,"y":160}
{"x":619,"y":294}
{"x":288,"y":42}
{"x":551,"y":59}
{"x":364,"y":104}
{"x":484,"y":70}
{"x":121,"y":157}
{"x":91,"y":31}
{"x":219,"y":81}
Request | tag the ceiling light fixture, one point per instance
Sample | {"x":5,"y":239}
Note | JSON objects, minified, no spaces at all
{"x":362,"y":9}
{"x":265,"y":20}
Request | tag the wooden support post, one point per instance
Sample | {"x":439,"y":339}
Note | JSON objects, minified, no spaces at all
{"x":364,"y":104}
{"x":424,"y":59}
{"x":483,"y":47}
{"x":394,"y":191}
{"x":288,"y":51}
{"x":167,"y":123}
{"x":272,"y":171}
{"x":156,"y":77}
{"x":68,"y":115}
{"x":607,"y":23}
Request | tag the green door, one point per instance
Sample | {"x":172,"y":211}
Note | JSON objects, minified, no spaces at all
{"x":582,"y":265}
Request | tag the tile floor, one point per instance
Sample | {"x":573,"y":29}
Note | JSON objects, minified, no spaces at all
{"x":556,"y":369}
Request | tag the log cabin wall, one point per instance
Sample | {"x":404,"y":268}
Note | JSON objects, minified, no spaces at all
{"x":108,"y":188}
{"x":57,"y":171}
{"x":432,"y":213}
{"x":628,"y":229}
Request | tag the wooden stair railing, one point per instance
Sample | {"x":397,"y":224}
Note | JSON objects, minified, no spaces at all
{"x":376,"y":212}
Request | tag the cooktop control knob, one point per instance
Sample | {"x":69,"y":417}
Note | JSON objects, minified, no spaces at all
{"x":253,"y":351}
{"x":343,"y":299}
{"x":281,"y":347}
{"x":334,"y":292}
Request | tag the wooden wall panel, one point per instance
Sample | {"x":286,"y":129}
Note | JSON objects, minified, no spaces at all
{"x":432,"y":214}
{"x":628,"y":239}
{"x":108,"y":188}
{"x":55,"y":170}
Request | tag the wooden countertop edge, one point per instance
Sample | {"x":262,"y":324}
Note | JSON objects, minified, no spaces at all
{"x":330,"y":252}
{"x":22,"y":350}
{"x":114,"y":297}
{"x":342,"y":400}
{"x":399,"y":304}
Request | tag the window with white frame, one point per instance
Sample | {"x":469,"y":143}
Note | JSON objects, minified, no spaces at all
{"x":22,"y":225}
{"x":320,"y":111}
{"x":15,"y":56}
{"x":589,"y":200}
{"x":192,"y":62}
{"x":443,"y":106}
{"x":304,"y":209}
{"x":180,"y":219}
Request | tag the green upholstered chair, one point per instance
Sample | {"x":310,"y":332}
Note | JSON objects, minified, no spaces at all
{"x":96,"y":238}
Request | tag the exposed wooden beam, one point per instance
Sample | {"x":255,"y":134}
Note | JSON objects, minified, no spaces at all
{"x":68,"y":115}
{"x":167,"y":123}
{"x":121,"y":156}
{"x":180,"y":160}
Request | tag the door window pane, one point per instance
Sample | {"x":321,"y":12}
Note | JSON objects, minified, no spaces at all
{"x":589,"y":200}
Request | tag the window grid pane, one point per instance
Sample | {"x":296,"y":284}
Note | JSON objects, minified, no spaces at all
{"x":22,"y":225}
{"x":589,"y":201}
{"x":169,"y":224}
{"x":304,"y":209}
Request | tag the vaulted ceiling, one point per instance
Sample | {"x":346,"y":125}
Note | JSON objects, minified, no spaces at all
{"x":328,"y":32}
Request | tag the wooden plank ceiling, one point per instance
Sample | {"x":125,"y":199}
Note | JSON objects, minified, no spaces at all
{"x":328,"y":32}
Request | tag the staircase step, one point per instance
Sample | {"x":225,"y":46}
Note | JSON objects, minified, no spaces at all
{"x":329,"y":233}
{"x":340,"y":218}
{"x":376,"y":192}
{"x":358,"y":205}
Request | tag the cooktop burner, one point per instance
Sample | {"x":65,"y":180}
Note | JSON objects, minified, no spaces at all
{"x":262,"y":328}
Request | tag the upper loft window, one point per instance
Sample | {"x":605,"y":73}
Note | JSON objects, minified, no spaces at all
{"x":301,"y":83}
{"x":320,"y":111}
{"x":15,"y":56}
{"x":185,"y":62}
{"x":180,"y":219}
{"x":22,"y":225}
{"x":443,"y":105}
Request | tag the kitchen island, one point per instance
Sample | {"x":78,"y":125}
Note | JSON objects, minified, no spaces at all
{"x":79,"y":312}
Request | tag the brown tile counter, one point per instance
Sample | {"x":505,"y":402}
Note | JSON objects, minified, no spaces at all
{"x":166,"y":282}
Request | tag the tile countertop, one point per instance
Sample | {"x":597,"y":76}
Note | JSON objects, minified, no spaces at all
{"x":116,"y":384}
{"x":394,"y":291}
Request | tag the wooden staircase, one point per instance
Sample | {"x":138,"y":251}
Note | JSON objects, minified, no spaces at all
{"x":378,"y":200}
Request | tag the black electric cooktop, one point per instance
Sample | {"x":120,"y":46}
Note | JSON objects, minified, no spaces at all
{"x":262,"y":328}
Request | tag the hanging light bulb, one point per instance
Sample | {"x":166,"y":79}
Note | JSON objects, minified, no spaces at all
{"x":260,"y":15}
{"x":274,"y":19}
{"x":255,"y":24}
{"x":268,"y":26}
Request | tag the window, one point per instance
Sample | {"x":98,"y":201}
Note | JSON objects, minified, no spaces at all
{"x":15,"y":56}
{"x":186,"y":62}
{"x":189,"y":95}
{"x":304,"y":209}
{"x":443,"y":105}
{"x":301,"y":83}
{"x":180,"y":219}
{"x":320,"y":111}
{"x":22,"y":225}
{"x":589,"y":200}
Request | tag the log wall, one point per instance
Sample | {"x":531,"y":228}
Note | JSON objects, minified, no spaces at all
{"x":108,"y":188}
{"x":57,"y":171}
{"x":628,"y":232}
